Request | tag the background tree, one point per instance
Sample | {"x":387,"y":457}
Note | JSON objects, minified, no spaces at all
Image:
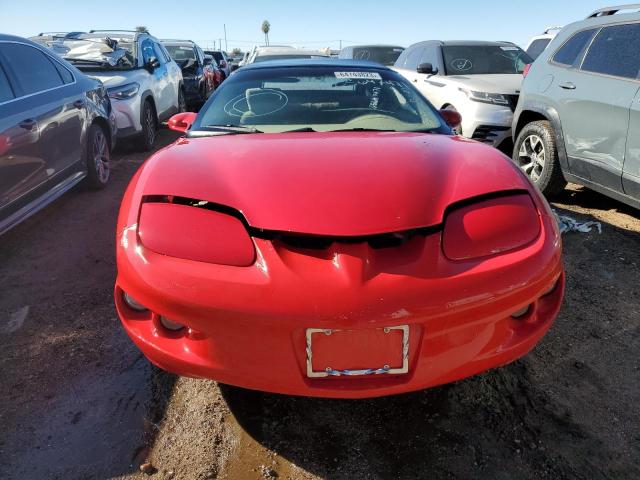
{"x":236,"y":52}
{"x":142,"y":29}
{"x":266,"y":26}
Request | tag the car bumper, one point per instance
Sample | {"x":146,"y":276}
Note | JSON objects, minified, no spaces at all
{"x":246,"y":326}
{"x":490,"y":124}
{"x":127,"y":114}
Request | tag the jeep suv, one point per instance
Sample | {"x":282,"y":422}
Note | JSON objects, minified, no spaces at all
{"x":578,"y":118}
{"x":143,"y":82}
{"x":481,"y":80}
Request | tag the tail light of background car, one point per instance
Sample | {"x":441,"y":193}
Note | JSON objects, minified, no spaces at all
{"x":194,"y":233}
{"x":490,"y":226}
{"x":525,"y":72}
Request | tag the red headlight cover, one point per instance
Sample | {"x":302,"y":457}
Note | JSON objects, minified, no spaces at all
{"x":490,"y":227}
{"x":195,"y":234}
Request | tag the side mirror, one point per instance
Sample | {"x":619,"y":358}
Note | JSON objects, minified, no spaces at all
{"x":223,"y":64}
{"x":451,"y":118}
{"x":427,"y":68}
{"x":152,"y":64}
{"x":181,"y":122}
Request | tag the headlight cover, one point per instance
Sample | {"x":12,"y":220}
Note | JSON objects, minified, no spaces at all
{"x":484,"y":97}
{"x":194,"y":233}
{"x":124,"y":91}
{"x":490,"y":227}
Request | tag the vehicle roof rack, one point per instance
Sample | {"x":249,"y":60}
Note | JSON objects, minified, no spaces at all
{"x":605,"y":12}
{"x":176,"y":40}
{"x":114,"y":30}
{"x":548,"y":29}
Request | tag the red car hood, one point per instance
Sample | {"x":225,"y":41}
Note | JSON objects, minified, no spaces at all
{"x":342,"y":184}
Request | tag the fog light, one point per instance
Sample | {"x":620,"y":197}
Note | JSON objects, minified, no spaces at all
{"x":170,"y":324}
{"x":521,"y":313}
{"x":133,"y":303}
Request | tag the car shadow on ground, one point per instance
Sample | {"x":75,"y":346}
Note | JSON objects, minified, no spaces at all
{"x":497,"y":425}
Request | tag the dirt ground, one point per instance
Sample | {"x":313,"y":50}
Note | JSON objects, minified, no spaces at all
{"x":79,"y":401}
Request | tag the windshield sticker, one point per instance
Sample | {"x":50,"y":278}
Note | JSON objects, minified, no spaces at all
{"x":185,"y":48}
{"x":461,"y":64}
{"x":509,"y":49}
{"x":359,"y":75}
{"x":256,"y":102}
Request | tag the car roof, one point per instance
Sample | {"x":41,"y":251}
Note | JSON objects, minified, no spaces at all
{"x":177,"y":42}
{"x":461,"y":43}
{"x":316,"y":62}
{"x":376,"y":45}
{"x":14,"y":38}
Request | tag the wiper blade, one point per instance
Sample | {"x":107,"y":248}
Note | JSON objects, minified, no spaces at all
{"x":84,"y":60}
{"x":231,"y":128}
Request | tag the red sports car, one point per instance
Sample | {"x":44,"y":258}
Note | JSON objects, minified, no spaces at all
{"x":320,"y":231}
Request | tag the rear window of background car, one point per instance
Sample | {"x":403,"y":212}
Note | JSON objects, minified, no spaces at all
{"x":33,"y":70}
{"x":537,"y":47}
{"x":615,"y":51}
{"x":6,"y":93}
{"x":572,"y":48}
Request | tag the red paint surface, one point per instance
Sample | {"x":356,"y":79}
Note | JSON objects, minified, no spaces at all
{"x":246,"y":325}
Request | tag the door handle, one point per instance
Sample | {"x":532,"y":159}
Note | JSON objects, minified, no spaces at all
{"x":28,"y":124}
{"x":568,"y":86}
{"x":78,"y":104}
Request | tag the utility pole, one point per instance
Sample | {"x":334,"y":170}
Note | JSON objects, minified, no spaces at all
{"x":340,"y":44}
{"x":220,"y":41}
{"x":226,"y":47}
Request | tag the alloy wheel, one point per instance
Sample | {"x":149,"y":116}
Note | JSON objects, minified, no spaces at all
{"x":532,"y":156}
{"x":100,"y":150}
{"x":151,"y":125}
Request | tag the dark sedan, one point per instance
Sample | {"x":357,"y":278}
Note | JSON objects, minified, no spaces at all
{"x":56,"y":129}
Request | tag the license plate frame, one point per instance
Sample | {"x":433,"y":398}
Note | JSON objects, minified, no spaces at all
{"x":376,"y":370}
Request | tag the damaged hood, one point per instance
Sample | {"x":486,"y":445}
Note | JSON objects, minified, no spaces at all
{"x":508,"y":83}
{"x":341,"y":183}
{"x":104,"y":51}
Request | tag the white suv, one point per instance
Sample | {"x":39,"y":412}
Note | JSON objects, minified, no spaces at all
{"x":142,"y":80}
{"x":538,"y":43}
{"x":480,"y":80}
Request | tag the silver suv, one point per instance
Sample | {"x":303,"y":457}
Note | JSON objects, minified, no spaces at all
{"x":144,"y":83}
{"x":578,"y":117}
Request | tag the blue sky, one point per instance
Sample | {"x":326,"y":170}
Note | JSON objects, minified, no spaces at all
{"x":314,"y":24}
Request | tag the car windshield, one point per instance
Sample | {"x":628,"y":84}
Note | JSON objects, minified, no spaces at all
{"x":318,"y":98}
{"x":181,"y":53}
{"x":383,"y":55}
{"x":97,"y":51}
{"x":484,"y":59}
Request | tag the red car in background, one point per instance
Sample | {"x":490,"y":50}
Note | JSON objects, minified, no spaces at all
{"x":320,"y":231}
{"x":212,"y":72}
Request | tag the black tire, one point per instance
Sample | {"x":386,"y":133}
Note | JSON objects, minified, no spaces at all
{"x":97,"y":157}
{"x":149,"y":121}
{"x":182,"y":103}
{"x":543,"y":168}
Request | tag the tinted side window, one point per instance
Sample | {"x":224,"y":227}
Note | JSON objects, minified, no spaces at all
{"x":159,"y":54}
{"x":537,"y":47}
{"x":614,"y":51}
{"x":429,"y":55}
{"x":573,"y":48}
{"x":401,"y":59}
{"x":147,"y":51}
{"x":413,"y":59}
{"x":6,"y":93}
{"x":64,"y":73}
{"x":33,"y":70}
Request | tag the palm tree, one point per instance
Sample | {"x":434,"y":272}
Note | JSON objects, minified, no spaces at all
{"x":266,"y":26}
{"x":142,"y":29}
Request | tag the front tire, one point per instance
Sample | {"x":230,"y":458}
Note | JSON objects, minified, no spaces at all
{"x":536,"y":154}
{"x":149,"y":126}
{"x":182,"y":103}
{"x":98,"y":156}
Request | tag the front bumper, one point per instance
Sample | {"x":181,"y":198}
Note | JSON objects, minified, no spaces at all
{"x":127,"y":113}
{"x":486,"y":123}
{"x":247,"y":325}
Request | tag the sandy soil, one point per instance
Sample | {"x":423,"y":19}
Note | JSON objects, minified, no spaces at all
{"x":79,"y":401}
